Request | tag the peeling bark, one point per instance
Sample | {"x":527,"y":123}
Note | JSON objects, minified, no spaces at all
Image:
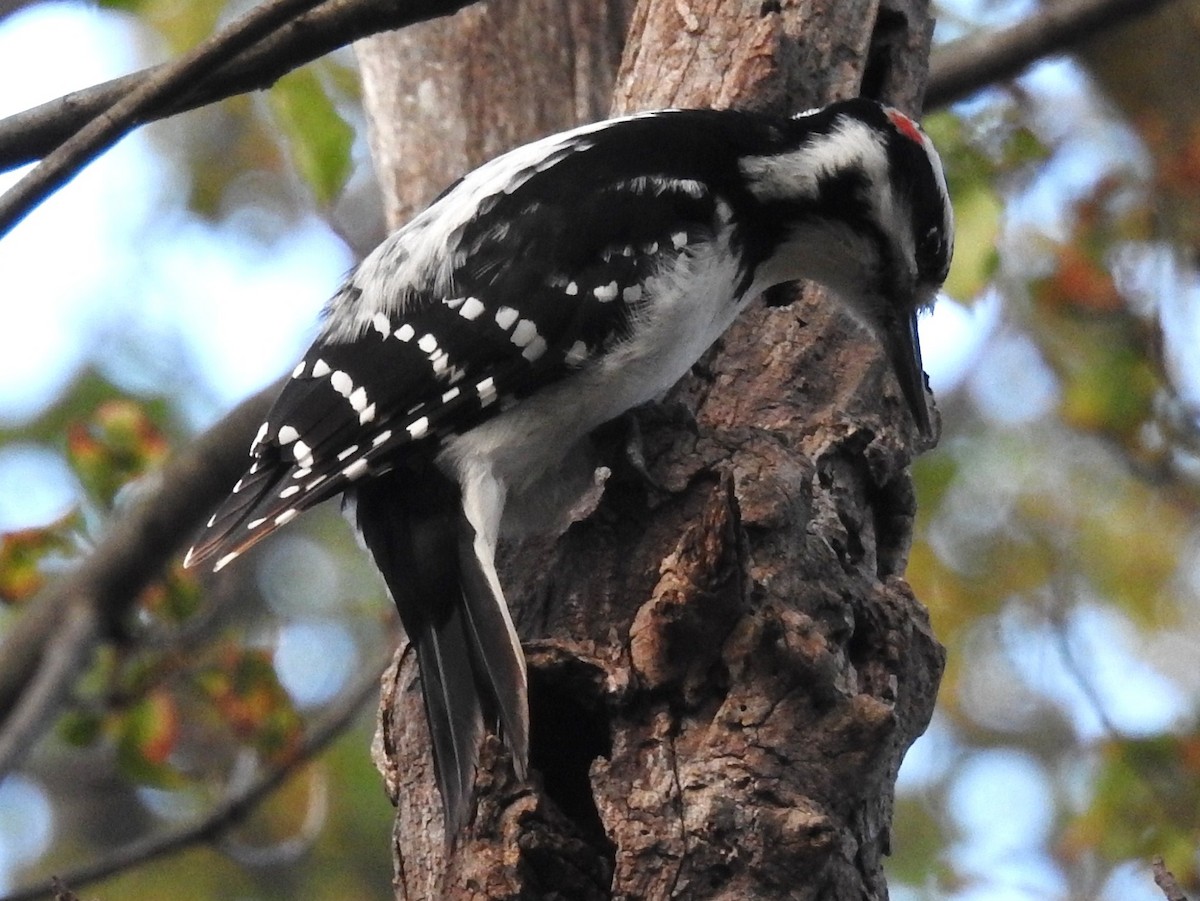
{"x":726,"y":665}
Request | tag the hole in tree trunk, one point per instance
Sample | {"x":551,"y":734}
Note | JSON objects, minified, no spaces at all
{"x":569,"y":728}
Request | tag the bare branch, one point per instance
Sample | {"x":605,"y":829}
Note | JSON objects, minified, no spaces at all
{"x":1165,"y":880}
{"x":53,"y":639}
{"x":66,"y":646}
{"x":106,"y":129}
{"x":231,"y":809}
{"x":30,"y":135}
{"x":963,"y":67}
{"x":9,"y":7}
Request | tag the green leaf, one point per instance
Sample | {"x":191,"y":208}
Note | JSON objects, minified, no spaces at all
{"x":317,"y":138}
{"x":977,"y":210}
{"x":80,"y":728}
{"x":146,"y":735}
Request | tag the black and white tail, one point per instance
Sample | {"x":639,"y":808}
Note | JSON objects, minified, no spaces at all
{"x":472,"y":673}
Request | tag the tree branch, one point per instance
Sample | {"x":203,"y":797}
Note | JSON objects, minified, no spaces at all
{"x":30,"y":135}
{"x":1166,"y":882}
{"x":110,"y":126}
{"x":45,"y":648}
{"x":231,"y":809}
{"x":966,"y":65}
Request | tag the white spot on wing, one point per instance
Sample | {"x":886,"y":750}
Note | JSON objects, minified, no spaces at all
{"x":299,"y":370}
{"x":358,"y":399}
{"x":320,"y":368}
{"x":367,"y":415}
{"x":262,"y":433}
{"x":255,"y":523}
{"x":382,"y":324}
{"x":505,"y":317}
{"x":632,"y":294}
{"x":679,"y":240}
{"x":450,"y":395}
{"x":571,"y":290}
{"x":419,"y":428}
{"x":486,"y":390}
{"x":286,"y":516}
{"x":225,"y":561}
{"x":381,"y":437}
{"x":472,"y":309}
{"x":289,"y":491}
{"x":356,"y":470}
{"x":428,"y":343}
{"x":535,"y":349}
{"x":605,"y":293}
{"x":287,"y":434}
{"x":406,"y":332}
{"x":302,"y":453}
{"x":524,"y":333}
{"x":348,"y":452}
{"x":342,"y":383}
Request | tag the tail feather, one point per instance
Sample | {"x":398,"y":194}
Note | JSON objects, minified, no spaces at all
{"x":454,"y":710}
{"x":496,"y":648}
{"x":472,"y":671}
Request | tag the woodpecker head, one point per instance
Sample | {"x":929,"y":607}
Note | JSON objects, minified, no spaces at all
{"x":860,"y":203}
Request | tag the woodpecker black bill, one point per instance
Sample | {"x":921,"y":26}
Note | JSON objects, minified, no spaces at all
{"x":462,"y":365}
{"x":903,"y":346}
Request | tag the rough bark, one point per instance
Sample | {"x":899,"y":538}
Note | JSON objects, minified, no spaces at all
{"x":444,"y":96}
{"x":727,"y":667}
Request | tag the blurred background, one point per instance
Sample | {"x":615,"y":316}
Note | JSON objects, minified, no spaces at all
{"x":1057,"y":546}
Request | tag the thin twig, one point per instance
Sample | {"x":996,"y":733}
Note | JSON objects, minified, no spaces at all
{"x":1058,"y":623}
{"x":66,"y":648}
{"x":231,"y":809}
{"x":1165,"y":880}
{"x":106,"y":129}
{"x":30,"y":135}
{"x":966,"y":65}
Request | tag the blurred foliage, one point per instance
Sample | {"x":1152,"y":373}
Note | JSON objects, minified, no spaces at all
{"x":1146,"y":802}
{"x":244,"y":689}
{"x":118,"y":443}
{"x":318,"y":138}
{"x":1057,"y":544}
{"x":24,"y":552}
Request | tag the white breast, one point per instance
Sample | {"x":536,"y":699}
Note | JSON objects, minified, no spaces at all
{"x":688,"y":306}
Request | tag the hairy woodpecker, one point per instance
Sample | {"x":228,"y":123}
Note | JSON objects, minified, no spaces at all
{"x":464,"y":362}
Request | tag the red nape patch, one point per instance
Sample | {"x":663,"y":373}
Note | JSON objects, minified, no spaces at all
{"x":905,"y":126}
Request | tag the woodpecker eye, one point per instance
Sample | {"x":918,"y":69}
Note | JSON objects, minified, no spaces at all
{"x":931,"y":256}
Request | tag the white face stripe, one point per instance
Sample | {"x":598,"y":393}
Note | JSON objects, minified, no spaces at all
{"x":799,"y":173}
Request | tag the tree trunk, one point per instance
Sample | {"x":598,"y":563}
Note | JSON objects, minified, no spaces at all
{"x":726,"y":669}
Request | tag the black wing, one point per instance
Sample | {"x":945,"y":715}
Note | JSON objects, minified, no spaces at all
{"x":544,"y":280}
